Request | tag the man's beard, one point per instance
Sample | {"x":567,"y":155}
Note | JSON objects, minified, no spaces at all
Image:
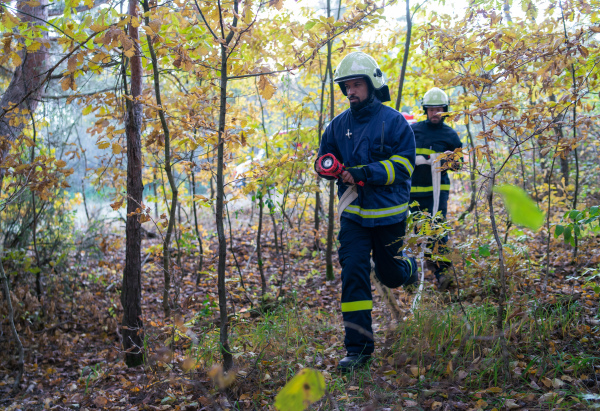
{"x":358,"y":105}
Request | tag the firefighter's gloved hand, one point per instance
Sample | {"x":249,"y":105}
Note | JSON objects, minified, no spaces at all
{"x":358,"y":174}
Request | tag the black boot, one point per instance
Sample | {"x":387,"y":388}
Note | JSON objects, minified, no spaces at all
{"x":352,"y":362}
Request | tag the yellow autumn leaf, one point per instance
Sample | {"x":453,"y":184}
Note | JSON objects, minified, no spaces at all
{"x":155,"y":25}
{"x":68,"y":83}
{"x":266,"y":88}
{"x":9,"y":21}
{"x":97,"y":27}
{"x":449,"y":368}
{"x":278,"y":4}
{"x":72,"y":64}
{"x":35,"y":46}
{"x":16,"y":59}
{"x":116,"y":148}
{"x":116,"y":205}
{"x":103,"y":144}
{"x":60,"y":163}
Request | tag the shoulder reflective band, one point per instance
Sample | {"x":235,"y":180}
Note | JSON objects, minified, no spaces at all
{"x":357,"y":306}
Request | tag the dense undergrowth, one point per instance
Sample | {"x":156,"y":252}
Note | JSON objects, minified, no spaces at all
{"x":446,"y":356}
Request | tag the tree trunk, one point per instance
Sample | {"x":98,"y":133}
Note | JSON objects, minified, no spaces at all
{"x":132,"y":275}
{"x":23,"y":93}
{"x":38,"y":274}
{"x":317,"y":244}
{"x":406,"y":53}
{"x":154,"y":188}
{"x":197,"y":229}
{"x":220,"y":194}
{"x":172,"y":184}
{"x":261,"y":205}
{"x":501,"y":265}
{"x":472,"y":178}
{"x":330,"y":223}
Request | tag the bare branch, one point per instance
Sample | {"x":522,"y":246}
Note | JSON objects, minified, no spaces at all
{"x":204,"y":19}
{"x":91,"y":93}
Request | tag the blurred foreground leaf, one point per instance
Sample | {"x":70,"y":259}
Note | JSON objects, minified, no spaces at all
{"x":301,"y":391}
{"x":521,"y":208}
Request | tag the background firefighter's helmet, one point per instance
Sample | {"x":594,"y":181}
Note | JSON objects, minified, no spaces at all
{"x":436,"y":97}
{"x":361,"y":65}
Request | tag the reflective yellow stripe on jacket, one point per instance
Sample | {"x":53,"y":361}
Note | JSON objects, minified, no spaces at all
{"x":376,"y":212}
{"x":425,"y":151}
{"x":443,"y":187}
{"x":389,"y":169}
{"x":404,"y":161}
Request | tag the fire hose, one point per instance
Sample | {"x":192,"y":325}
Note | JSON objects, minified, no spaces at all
{"x":436,"y":178}
{"x":331,"y":167}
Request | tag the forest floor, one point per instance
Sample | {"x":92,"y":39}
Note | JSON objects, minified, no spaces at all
{"x":447,"y":356}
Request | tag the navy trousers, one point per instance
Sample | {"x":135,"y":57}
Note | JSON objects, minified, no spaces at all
{"x":356,"y":244}
{"x":426,"y":204}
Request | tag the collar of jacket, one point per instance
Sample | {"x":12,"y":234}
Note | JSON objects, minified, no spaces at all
{"x":436,"y":126}
{"x":366,"y":113}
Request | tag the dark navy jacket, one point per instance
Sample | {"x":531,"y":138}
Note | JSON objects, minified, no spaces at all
{"x":354,"y":138}
{"x":431,"y":138}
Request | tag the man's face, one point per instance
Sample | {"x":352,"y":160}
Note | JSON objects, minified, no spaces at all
{"x":357,"y":90}
{"x":434,"y":114}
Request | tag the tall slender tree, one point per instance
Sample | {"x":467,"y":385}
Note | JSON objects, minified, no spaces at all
{"x":406,"y":54}
{"x":131,"y":297}
{"x":331,"y":217}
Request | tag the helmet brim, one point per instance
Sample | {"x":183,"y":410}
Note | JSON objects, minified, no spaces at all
{"x":348,"y":78}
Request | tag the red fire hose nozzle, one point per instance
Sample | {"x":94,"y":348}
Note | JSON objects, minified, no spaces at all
{"x":331,"y":167}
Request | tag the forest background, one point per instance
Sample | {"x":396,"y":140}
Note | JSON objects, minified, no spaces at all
{"x":166,"y":244}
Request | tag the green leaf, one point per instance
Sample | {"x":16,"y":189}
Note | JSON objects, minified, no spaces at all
{"x":307,"y":387}
{"x":309,"y":25}
{"x":521,"y":208}
{"x":558,"y":230}
{"x":484,"y":250}
{"x":567,"y":233}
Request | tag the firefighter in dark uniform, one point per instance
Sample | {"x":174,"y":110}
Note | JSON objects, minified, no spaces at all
{"x":377,"y":147}
{"x":433,"y":136}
